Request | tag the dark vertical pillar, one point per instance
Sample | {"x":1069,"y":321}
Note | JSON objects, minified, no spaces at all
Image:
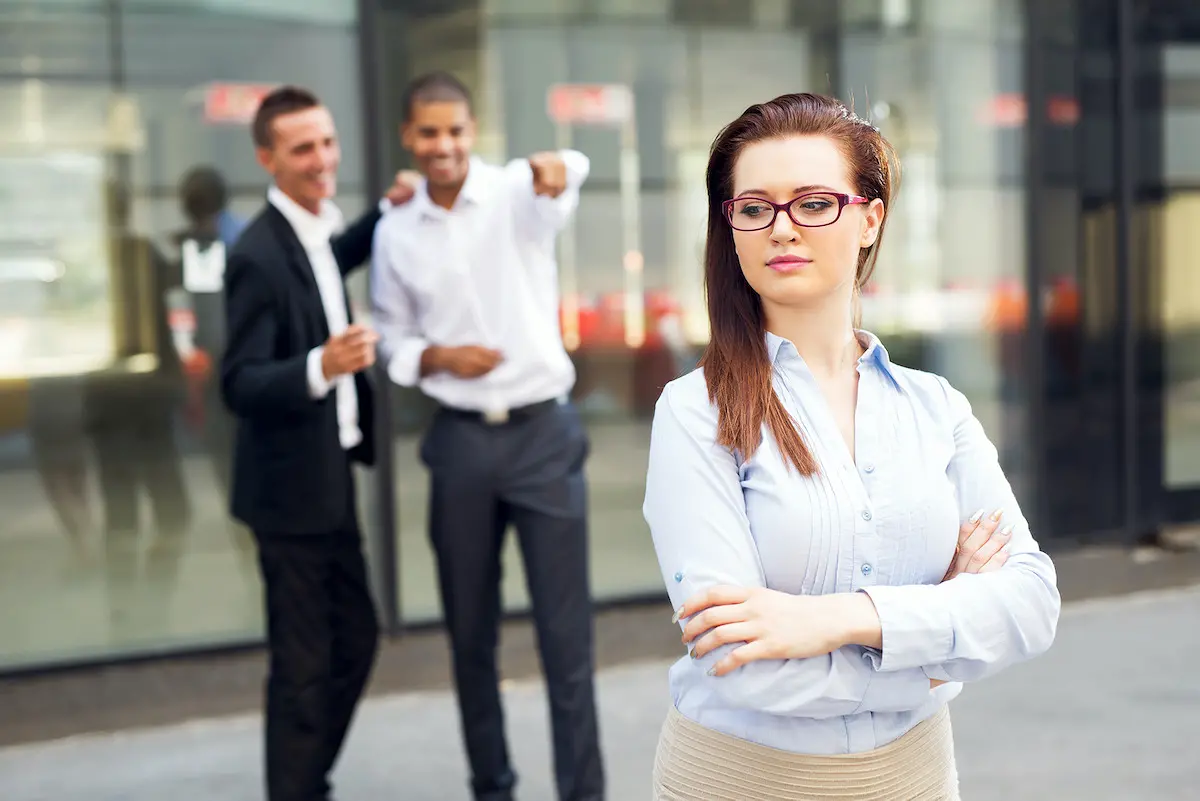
{"x":386,"y":572}
{"x":1034,"y":344}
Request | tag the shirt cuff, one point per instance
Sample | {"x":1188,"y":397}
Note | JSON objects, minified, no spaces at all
{"x":404,"y":365}
{"x":318,"y":387}
{"x":917,"y":628}
{"x":578,"y":166}
{"x":894,"y":691}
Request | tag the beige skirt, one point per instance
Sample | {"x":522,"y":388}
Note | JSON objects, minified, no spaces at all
{"x":694,"y":763}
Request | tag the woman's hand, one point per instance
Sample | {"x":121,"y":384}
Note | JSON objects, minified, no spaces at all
{"x":980,"y":548}
{"x":775,"y":625}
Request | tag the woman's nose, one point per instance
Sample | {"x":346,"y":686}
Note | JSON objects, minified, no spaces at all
{"x":783,"y":229}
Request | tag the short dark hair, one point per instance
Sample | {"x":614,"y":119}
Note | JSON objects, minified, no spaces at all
{"x":203,"y":192}
{"x":436,"y":87}
{"x":281,"y":101}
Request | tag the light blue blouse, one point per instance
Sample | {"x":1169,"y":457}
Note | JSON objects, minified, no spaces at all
{"x":884,"y":522}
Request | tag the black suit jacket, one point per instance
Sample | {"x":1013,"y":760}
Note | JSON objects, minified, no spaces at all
{"x":290,"y":473}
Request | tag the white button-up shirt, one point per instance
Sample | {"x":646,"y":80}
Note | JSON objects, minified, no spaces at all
{"x":315,"y":232}
{"x":481,"y":273}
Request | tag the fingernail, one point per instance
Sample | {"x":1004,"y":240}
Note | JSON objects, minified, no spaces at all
{"x":712,"y":671}
{"x":1006,"y":531}
{"x":692,"y":653}
{"x":678,"y":612}
{"x":975,"y":518}
{"x":999,"y":513}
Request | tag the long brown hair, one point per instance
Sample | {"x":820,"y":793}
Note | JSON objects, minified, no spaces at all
{"x":736,"y":365}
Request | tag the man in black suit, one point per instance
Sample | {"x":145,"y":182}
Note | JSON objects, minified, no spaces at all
{"x":292,"y":376}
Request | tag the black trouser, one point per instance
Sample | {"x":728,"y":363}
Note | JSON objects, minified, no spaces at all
{"x":528,"y":472}
{"x":322,"y":634}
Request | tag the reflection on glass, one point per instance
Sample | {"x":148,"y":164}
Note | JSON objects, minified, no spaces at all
{"x":54,"y":276}
{"x":114,"y":443}
{"x":947,"y":295}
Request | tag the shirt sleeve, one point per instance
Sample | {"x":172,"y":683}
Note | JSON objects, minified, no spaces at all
{"x":697,"y":517}
{"x":975,"y":624}
{"x":394,"y":312}
{"x":541,"y":213}
{"x":318,"y":387}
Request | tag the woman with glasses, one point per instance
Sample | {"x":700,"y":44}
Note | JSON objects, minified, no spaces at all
{"x":825,"y":520}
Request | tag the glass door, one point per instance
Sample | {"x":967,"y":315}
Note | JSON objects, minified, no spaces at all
{"x":1075,"y":364}
{"x":1164,"y":258}
{"x":1114,"y":206}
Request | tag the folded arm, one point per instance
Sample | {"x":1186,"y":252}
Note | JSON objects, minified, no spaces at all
{"x":696,"y":513}
{"x":254,"y":383}
{"x":977,"y":623}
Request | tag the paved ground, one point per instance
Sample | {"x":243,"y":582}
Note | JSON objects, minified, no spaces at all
{"x":1108,"y":715}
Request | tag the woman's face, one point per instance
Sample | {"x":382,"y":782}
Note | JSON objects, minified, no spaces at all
{"x":789,"y":265}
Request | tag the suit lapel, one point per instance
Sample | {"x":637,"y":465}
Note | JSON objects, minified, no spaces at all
{"x":301,"y":269}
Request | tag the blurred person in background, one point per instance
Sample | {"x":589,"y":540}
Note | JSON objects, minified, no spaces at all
{"x":806,"y":498}
{"x":209,"y":232}
{"x":59,"y":444}
{"x":130,"y":414}
{"x":292,"y":374}
{"x":204,"y":199}
{"x":465,"y":297}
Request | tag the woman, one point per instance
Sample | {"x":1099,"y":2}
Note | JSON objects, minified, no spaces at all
{"x":806,"y":498}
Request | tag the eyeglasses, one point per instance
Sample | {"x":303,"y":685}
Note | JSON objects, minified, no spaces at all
{"x":810,"y":210}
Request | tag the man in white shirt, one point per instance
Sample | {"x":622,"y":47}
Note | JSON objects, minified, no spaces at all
{"x":465,"y":297}
{"x":292,"y":375}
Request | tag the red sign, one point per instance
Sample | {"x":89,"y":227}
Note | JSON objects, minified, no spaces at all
{"x":233,"y":103}
{"x":1063,"y":110}
{"x":1007,"y":110}
{"x":590,"y":104}
{"x":1010,"y":111}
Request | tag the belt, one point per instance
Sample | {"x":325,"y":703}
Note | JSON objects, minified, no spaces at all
{"x":502,"y":416}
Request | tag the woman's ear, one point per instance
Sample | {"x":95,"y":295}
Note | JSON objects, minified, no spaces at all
{"x":872,"y":222}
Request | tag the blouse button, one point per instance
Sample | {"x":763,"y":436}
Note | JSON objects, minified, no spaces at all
{"x":870,"y":468}
{"x":866,"y":514}
{"x":679,"y":576}
{"x":866,"y":570}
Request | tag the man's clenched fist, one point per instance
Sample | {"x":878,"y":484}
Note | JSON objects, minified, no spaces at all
{"x":349,"y":352}
{"x":549,"y":174}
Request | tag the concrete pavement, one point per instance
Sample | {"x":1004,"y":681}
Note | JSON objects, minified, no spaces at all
{"x":1110,"y":714}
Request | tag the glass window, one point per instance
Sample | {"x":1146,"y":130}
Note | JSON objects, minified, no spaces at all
{"x":323,"y":11}
{"x":1166,"y":72}
{"x":68,"y":38}
{"x":948,"y":294}
{"x":1180,"y":291}
{"x":115,"y":448}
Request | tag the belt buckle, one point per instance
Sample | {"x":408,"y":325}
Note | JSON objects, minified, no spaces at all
{"x":495,"y":417}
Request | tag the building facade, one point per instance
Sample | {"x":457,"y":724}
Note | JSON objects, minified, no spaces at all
{"x":1039,"y":257}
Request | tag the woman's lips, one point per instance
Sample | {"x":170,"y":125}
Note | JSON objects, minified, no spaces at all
{"x":787,"y":264}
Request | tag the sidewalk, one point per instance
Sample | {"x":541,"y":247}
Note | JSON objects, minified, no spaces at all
{"x":1108,"y":715}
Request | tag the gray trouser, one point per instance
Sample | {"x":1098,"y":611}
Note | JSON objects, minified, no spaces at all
{"x":528,"y":472}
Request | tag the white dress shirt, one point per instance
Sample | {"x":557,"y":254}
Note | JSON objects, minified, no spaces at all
{"x":482,"y":273}
{"x":883,"y":520}
{"x":315,"y":232}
